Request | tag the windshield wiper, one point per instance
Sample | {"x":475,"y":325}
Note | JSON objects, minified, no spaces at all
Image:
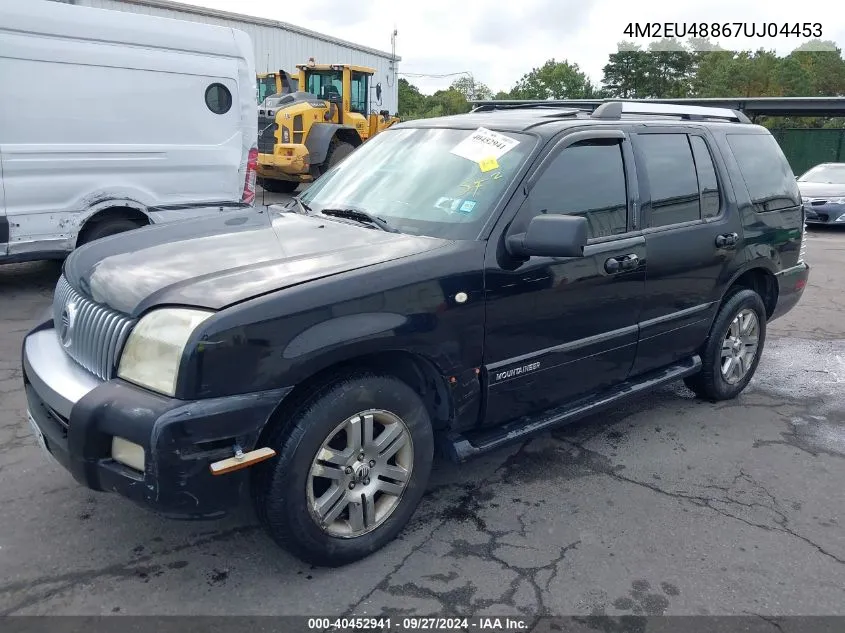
{"x":303,"y":207}
{"x":360,"y":216}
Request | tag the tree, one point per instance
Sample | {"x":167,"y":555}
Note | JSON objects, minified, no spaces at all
{"x":624,"y":72}
{"x":471,"y":88}
{"x":411,"y":100}
{"x":668,"y":69}
{"x":554,"y":80}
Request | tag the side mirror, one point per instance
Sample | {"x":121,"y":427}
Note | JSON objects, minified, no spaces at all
{"x":378,"y":92}
{"x":551,"y":236}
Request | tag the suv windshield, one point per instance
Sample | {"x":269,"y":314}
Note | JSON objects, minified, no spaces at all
{"x":324,"y":83}
{"x":831,"y":174}
{"x":412,"y":179}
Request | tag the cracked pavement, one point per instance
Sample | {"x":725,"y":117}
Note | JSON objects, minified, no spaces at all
{"x":667,"y":505}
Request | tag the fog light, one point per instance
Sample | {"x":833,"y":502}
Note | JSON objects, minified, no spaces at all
{"x":127,"y":453}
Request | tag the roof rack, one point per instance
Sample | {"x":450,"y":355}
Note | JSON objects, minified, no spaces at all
{"x":550,"y":105}
{"x":613,"y":110}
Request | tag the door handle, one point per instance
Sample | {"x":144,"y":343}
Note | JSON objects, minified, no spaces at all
{"x":630,"y":262}
{"x":625,"y":262}
{"x":726,"y":240}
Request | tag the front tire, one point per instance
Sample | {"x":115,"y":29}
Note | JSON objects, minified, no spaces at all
{"x":337,"y":152}
{"x":352,"y":464}
{"x":732,"y":351}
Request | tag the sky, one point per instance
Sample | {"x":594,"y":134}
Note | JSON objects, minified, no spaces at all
{"x":498,"y":42}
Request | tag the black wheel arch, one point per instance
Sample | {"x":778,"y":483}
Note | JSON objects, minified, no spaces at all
{"x":320,"y":138}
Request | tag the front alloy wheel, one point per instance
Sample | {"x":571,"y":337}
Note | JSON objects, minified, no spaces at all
{"x":353,"y":460}
{"x":360,"y":473}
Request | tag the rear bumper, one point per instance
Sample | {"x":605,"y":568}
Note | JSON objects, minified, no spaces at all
{"x":289,"y":161}
{"x":791,"y":284}
{"x":79,"y":415}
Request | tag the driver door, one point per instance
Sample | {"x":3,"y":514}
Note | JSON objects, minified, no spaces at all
{"x":560,"y":328}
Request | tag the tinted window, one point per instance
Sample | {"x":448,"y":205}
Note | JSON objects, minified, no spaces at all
{"x":767,"y":175}
{"x":707,"y":183}
{"x":671,"y":177}
{"x":587,"y":179}
{"x":218,"y":98}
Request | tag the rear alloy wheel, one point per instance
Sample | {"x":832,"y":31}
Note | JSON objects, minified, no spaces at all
{"x":732,"y":351}
{"x":353,"y":460}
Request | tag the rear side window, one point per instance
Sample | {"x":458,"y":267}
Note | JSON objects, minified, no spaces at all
{"x":766,"y":173}
{"x":586,"y":179}
{"x":671,"y":177}
{"x":708,"y":185}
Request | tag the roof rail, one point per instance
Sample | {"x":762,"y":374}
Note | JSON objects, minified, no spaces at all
{"x":613,"y":110}
{"x":504,"y":105}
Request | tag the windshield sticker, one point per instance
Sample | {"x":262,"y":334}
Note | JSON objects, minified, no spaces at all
{"x":467,"y":206}
{"x":488,"y":164}
{"x":484,"y":144}
{"x":447,"y":204}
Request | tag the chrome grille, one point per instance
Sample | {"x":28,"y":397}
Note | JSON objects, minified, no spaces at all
{"x":91,"y":334}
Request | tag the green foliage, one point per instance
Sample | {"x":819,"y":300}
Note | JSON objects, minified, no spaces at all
{"x":668,"y":68}
{"x":554,"y":80}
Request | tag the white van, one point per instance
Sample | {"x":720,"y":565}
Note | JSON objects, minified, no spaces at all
{"x":111,"y":120}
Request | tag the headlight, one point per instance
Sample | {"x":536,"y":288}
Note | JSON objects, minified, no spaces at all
{"x":154,"y":348}
{"x":837,"y":200}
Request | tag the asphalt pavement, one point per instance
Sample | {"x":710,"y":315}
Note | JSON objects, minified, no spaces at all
{"x":668,"y":505}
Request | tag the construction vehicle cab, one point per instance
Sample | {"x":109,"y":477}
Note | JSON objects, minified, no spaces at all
{"x":278,"y":83}
{"x":303,"y":134}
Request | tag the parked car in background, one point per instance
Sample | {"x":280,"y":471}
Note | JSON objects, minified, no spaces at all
{"x":823,"y":193}
{"x":464,"y":281}
{"x":112,"y":120}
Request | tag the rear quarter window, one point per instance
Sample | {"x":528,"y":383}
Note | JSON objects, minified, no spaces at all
{"x":767,"y":175}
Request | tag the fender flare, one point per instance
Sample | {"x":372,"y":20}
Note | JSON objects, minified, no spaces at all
{"x":320,"y":137}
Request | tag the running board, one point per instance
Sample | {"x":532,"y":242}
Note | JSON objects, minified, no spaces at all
{"x":463,"y":446}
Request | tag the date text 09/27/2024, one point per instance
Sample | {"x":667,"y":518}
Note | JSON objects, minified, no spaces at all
{"x":414,"y":623}
{"x":723,"y":29}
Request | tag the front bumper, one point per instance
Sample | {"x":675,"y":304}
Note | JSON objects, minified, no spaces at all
{"x":827,"y":213}
{"x":288,"y":162}
{"x":791,"y":284}
{"x":79,"y":415}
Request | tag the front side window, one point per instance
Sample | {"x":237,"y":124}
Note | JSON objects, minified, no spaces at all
{"x":765,"y":170}
{"x":411,"y":178}
{"x":586,"y":179}
{"x":358,"y":98}
{"x":671,"y":177}
{"x":324,"y":83}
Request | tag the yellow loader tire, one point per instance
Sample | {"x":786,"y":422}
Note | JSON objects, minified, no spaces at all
{"x":338,"y":150}
{"x":278,"y":186}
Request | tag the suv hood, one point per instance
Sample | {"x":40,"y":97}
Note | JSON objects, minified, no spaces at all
{"x":220,"y":260}
{"x":821,"y":190}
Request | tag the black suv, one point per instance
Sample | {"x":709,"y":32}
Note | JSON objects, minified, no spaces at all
{"x":459,"y":282}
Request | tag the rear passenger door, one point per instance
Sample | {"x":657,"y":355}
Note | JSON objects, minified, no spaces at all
{"x":692,"y":231}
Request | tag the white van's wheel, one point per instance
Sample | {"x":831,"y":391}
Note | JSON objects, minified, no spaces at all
{"x":104,"y":228}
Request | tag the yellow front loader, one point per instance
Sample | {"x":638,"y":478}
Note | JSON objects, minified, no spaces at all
{"x":303,"y":134}
{"x":278,"y":83}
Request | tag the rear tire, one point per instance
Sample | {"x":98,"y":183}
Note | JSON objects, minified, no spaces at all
{"x":341,"y":507}
{"x":104,"y":228}
{"x":278,"y":186}
{"x":338,"y":150}
{"x":732,"y":351}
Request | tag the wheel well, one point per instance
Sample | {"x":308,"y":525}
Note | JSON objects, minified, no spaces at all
{"x":111,"y":213}
{"x":348,"y":136}
{"x":416,"y":371}
{"x":760,"y":281}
